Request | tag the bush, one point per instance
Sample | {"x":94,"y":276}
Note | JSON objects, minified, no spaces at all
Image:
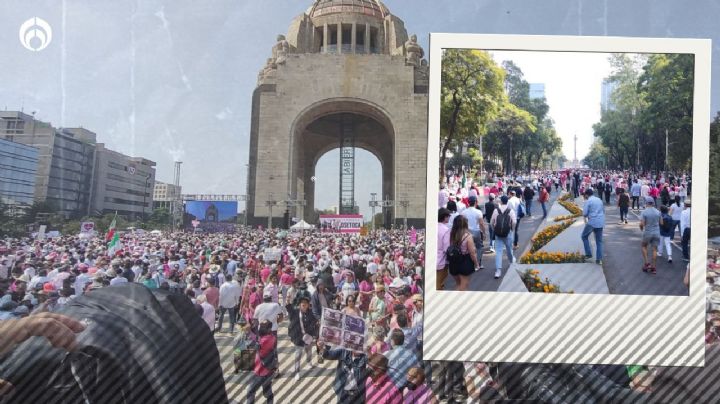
{"x":534,"y":284}
{"x":571,"y":207}
{"x":542,"y":257}
{"x":542,"y":238}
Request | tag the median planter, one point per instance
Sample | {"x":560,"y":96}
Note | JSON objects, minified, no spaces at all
{"x":542,"y":257}
{"x":544,"y":236}
{"x":532,"y":281}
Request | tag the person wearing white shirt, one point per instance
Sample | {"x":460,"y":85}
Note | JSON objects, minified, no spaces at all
{"x":685,"y":230}
{"x":118,"y":280}
{"x":228,"y":301}
{"x":513,"y":203}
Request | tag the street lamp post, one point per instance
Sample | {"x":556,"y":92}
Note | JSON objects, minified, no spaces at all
{"x":373,"y":205}
{"x":270,"y":203}
{"x":404,"y":203}
{"x":147,"y":183}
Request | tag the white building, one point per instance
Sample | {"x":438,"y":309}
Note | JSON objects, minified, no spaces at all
{"x":164,"y":194}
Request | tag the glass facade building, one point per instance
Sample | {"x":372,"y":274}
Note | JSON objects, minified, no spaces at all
{"x":18,"y":167}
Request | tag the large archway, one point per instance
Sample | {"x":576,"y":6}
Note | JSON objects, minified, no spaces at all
{"x":318,"y":130}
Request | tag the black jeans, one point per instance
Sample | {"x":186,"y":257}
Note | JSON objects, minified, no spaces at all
{"x":517,"y":227}
{"x":448,"y":379}
{"x":636,"y":201}
{"x":686,"y":244}
{"x":266,"y":383}
{"x":233,"y":317}
{"x":623,"y":213}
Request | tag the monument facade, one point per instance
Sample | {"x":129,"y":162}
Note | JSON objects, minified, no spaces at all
{"x":346,"y":76}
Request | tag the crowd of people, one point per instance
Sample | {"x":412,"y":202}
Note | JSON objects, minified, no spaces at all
{"x":473,"y":213}
{"x":241,"y":294}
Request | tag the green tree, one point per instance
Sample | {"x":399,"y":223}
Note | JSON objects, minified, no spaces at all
{"x":510,"y":124}
{"x":471,"y":95}
{"x":666,"y":86}
{"x":597,"y":157}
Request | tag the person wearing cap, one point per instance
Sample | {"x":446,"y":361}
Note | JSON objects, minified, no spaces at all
{"x":269,"y":311}
{"x":115,"y":280}
{"x":594,"y":216}
{"x":476,"y":225}
{"x":685,"y":230}
{"x":379,"y":387}
{"x":208,"y":312}
{"x":650,"y":220}
{"x":303,"y":331}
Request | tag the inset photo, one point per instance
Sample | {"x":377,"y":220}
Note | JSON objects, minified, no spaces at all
{"x":566,"y":171}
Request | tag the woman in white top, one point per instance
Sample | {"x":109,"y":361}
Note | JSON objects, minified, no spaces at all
{"x":676,"y":209}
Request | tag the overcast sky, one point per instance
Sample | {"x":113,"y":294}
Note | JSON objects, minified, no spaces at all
{"x":170,"y":80}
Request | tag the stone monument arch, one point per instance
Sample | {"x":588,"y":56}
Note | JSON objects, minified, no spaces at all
{"x":346,"y":76}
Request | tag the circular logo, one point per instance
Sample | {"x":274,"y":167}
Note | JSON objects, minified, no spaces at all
{"x":35,"y":34}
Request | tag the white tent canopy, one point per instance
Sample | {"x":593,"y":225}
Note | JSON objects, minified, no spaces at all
{"x":302,"y":225}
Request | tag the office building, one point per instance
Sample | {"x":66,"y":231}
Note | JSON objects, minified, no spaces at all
{"x":65,"y":160}
{"x":122,"y":184}
{"x":164,"y":194}
{"x":18,"y":167}
{"x":608,"y":86}
{"x":537,"y":90}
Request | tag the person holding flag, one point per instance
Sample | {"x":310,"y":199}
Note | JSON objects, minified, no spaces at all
{"x":112,"y":238}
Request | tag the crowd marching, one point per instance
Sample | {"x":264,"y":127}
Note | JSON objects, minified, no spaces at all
{"x":264,"y":280}
{"x":489,"y":210}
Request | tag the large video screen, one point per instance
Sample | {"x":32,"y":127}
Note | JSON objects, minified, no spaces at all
{"x":211,"y":216}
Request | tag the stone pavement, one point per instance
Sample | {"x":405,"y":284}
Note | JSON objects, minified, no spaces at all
{"x":314,"y":386}
{"x":580,"y":278}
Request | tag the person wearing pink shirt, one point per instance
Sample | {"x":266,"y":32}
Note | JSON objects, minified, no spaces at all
{"x":442,"y":245}
{"x":379,"y":388}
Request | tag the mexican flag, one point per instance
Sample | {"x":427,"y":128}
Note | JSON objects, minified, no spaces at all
{"x":112,"y":238}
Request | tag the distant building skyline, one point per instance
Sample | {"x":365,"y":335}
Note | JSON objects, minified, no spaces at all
{"x":606,"y":90}
{"x":537,"y":90}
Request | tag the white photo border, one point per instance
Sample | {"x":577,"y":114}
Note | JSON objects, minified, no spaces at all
{"x":570,"y":328}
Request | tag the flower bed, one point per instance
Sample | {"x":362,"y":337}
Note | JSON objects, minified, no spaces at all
{"x":567,"y":197}
{"x":534,"y":284}
{"x":571,"y":207}
{"x":542,"y":238}
{"x":542,"y":257}
{"x":566,"y":217}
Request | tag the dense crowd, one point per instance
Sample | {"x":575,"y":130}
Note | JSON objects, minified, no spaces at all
{"x":489,"y":209}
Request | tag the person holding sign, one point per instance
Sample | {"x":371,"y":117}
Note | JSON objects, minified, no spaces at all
{"x":350,"y":373}
{"x":303,"y":331}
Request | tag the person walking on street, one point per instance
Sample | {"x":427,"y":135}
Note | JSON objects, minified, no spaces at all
{"x":594,"y":214}
{"x":464,"y":261}
{"x":476,"y":225}
{"x":229,"y":299}
{"x":528,"y":195}
{"x":667,"y":228}
{"x":543,"y":198}
{"x":503,"y":222}
{"x":265,"y":364}
{"x":623,"y":205}
{"x":650,"y":226}
{"x":350,"y":373}
{"x":676,"y":210}
{"x":685,"y":230}
{"x":443,"y":242}
{"x":514,"y":204}
{"x":302,"y":331}
{"x":635,"y":193}
{"x":489,"y":209}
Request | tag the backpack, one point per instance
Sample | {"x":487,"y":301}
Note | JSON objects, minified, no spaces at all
{"x":269,"y":361}
{"x":503,"y":224}
{"x":453,"y":253}
{"x":608,"y":187}
{"x":521,"y":211}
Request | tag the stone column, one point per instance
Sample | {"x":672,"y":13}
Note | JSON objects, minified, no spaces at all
{"x":353,"y":38}
{"x":367,"y":38}
{"x":325,"y":38}
{"x":339,"y":38}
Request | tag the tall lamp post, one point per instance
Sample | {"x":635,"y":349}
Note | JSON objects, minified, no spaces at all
{"x":404,"y":203}
{"x":147,"y":183}
{"x":270,"y":203}
{"x":373,"y":204}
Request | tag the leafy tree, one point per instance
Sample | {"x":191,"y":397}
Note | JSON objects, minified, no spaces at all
{"x":510,"y":124}
{"x":471,"y":95}
{"x":597,"y":157}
